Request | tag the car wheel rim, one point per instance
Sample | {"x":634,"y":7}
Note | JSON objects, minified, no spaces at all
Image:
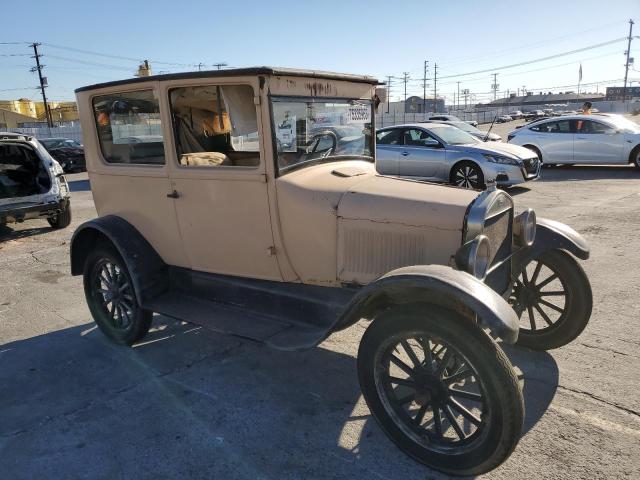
{"x":539,"y":298}
{"x":466,"y":177}
{"x":113,"y":292}
{"x":432,"y":392}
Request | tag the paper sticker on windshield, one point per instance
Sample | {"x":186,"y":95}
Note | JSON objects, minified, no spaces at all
{"x":359,"y":114}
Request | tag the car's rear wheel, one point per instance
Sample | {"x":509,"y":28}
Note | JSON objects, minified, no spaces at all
{"x":552,"y":297}
{"x":61,"y":219}
{"x":441,"y":388}
{"x":111,"y":297}
{"x":467,"y":175}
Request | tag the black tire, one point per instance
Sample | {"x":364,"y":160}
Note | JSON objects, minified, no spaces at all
{"x":111,"y":297}
{"x":569,"y":295}
{"x":62,"y":219}
{"x":497,"y":391}
{"x":636,"y":157}
{"x":467,"y":175}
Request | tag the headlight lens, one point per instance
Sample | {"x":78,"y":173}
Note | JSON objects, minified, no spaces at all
{"x":524,"y":228}
{"x":504,"y":160}
{"x":474,"y":256}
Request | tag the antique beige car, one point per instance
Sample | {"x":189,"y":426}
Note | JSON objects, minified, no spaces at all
{"x":247,"y":201}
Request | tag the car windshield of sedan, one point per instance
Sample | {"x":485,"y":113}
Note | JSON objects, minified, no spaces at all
{"x":311,"y":130}
{"x":621,"y":122}
{"x":59,"y":142}
{"x":452,"y":135}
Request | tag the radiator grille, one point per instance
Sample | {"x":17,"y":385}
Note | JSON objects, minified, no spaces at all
{"x":498,"y":230}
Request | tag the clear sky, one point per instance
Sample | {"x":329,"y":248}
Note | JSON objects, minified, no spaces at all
{"x":370,"y":37}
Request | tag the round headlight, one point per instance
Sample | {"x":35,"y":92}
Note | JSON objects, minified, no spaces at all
{"x":524,"y":228}
{"x":474,"y":256}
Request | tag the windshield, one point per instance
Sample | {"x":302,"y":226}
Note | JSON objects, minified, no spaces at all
{"x":312,"y":130}
{"x":452,"y":135}
{"x":466,"y":127}
{"x":622,"y":122}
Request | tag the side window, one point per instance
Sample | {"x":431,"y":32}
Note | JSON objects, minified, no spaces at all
{"x":416,"y":138}
{"x":560,"y":126}
{"x":215,"y":126}
{"x":589,"y":126}
{"x":389,"y":137}
{"x":129,"y":128}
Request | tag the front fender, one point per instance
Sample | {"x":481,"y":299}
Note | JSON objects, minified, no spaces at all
{"x":551,"y":235}
{"x":438,"y":285}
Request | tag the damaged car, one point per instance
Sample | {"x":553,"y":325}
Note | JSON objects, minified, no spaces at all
{"x":32,"y":183}
{"x":257,"y":211}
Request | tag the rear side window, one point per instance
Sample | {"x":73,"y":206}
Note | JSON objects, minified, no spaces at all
{"x":129,"y":128}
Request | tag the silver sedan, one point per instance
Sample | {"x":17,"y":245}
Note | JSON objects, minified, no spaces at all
{"x":582,"y":139}
{"x":441,"y":152}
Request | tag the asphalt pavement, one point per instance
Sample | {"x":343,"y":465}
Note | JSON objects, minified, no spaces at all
{"x":190,"y":403}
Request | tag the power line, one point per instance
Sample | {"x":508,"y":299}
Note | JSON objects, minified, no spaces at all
{"x":542,"y":59}
{"x":494,"y":54}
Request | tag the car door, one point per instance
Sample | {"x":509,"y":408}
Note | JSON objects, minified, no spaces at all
{"x":218,"y":178}
{"x":596,"y":142}
{"x":555,"y":140}
{"x":388,"y":147}
{"x":421,"y":155}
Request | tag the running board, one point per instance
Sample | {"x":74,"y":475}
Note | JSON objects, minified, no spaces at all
{"x":282,"y":315}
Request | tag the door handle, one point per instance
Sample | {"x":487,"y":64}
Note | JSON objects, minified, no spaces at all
{"x":173,"y":194}
{"x":404,"y":154}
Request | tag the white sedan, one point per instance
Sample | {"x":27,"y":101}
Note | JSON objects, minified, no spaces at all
{"x":582,"y":139}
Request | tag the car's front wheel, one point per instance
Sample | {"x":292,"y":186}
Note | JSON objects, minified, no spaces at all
{"x":441,"y":389}
{"x":111,"y":297}
{"x":552,"y":297}
{"x":636,"y":160}
{"x":467,"y":175}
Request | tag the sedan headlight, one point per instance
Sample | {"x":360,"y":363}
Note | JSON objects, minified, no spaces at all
{"x":524,"y":228}
{"x":474,"y":256}
{"x":494,"y":158}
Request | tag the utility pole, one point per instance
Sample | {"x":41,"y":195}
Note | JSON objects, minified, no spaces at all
{"x":200,"y":65}
{"x":494,"y":86}
{"x":435,"y":87}
{"x":219,"y":65}
{"x":405,"y":78}
{"x":458,"y":106}
{"x":524,"y":91}
{"x":626,"y":65}
{"x":424,"y":88}
{"x":388,"y":91}
{"x":38,"y":68}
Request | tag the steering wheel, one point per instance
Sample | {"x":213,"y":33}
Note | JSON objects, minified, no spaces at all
{"x":315,"y":142}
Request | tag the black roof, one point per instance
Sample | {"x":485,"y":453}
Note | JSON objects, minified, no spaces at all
{"x":231,"y":72}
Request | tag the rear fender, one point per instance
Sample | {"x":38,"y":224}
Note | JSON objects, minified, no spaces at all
{"x":436,"y":285}
{"x":148,"y":271}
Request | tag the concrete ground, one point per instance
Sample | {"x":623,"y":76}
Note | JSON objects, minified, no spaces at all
{"x":189,"y":403}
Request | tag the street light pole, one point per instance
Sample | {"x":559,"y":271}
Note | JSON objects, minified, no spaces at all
{"x":626,"y":67}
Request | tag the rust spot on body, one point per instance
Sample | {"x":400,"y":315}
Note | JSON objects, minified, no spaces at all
{"x":320,"y":88}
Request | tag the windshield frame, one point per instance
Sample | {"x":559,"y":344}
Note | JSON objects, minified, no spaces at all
{"x":333,"y":158}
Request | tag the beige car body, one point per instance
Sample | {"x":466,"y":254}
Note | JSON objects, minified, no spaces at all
{"x":327,"y":224}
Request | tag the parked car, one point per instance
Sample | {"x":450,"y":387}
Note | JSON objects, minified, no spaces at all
{"x":582,"y":139}
{"x":69,"y":153}
{"x":503,"y":119}
{"x":471,"y":130}
{"x":516,"y":114}
{"x":441,"y":152}
{"x":286,"y":247}
{"x":451,"y":118}
{"x":32,"y":184}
